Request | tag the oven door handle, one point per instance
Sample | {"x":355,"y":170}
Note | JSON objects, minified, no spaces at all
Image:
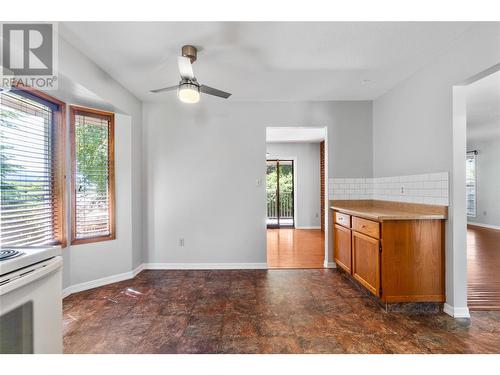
{"x":30,"y":274}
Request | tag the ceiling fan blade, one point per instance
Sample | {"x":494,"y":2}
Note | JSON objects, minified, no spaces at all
{"x":171,"y":88}
{"x":185,"y":67}
{"x":215,"y":92}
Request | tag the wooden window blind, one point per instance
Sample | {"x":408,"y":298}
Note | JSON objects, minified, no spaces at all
{"x":31,"y":169}
{"x":93,"y":196}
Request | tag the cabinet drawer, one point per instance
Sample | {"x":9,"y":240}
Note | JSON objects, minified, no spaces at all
{"x":343,"y":219}
{"x":368,"y":227}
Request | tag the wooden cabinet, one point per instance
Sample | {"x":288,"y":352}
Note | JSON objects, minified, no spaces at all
{"x":366,"y":261}
{"x":412,"y":261}
{"x":396,"y":260}
{"x":342,"y":247}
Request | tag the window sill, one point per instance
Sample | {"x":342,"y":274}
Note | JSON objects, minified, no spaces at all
{"x":82,"y":241}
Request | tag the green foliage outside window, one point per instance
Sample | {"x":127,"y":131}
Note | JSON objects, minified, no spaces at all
{"x":91,"y":148}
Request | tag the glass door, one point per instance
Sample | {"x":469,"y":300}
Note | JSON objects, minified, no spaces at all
{"x":279,"y":188}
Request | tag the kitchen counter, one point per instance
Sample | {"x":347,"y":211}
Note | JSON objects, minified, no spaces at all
{"x":386,"y":210}
{"x":394,"y":250}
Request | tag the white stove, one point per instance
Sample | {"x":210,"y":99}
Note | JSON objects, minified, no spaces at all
{"x":31,"y":300}
{"x":16,"y":258}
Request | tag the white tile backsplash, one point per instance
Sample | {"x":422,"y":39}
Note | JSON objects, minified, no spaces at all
{"x":430,"y":188}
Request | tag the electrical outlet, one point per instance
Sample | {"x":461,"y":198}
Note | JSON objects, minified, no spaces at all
{"x":402,"y":190}
{"x":317,"y":214}
{"x":258,"y":182}
{"x":181,"y":242}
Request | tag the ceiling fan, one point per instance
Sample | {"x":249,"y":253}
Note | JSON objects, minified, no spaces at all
{"x":188,"y":89}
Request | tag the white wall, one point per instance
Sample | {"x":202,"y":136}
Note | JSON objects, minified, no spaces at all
{"x":413,"y":122}
{"x":488,"y":181}
{"x":201,"y":165}
{"x":307,"y":185}
{"x":413,"y":127}
{"x":82,"y":82}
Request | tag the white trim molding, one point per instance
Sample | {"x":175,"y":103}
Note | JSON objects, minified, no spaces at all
{"x":205,"y":266}
{"x":102,"y":281}
{"x":456,"y":312}
{"x":316,"y":227}
{"x":489,"y":226}
{"x":330,"y":265}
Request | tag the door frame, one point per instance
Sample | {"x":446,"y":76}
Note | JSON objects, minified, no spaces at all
{"x":293,"y":159}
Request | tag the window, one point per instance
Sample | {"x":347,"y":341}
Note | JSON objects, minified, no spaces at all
{"x":31,"y":169}
{"x":93,"y":195}
{"x":471,"y":183}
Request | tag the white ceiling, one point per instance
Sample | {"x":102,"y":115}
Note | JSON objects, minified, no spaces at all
{"x":483,"y":108}
{"x":294,"y":134}
{"x":265,"y":61}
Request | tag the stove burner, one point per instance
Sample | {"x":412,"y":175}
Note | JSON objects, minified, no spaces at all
{"x":9,"y":254}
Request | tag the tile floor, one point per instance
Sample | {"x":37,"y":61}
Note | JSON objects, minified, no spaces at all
{"x":259,"y":311}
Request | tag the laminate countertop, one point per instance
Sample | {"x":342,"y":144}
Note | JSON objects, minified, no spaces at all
{"x":386,"y":210}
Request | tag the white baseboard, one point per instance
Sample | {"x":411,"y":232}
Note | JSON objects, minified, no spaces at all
{"x":489,"y":226}
{"x":102,"y":281}
{"x":205,"y":266}
{"x":456,"y":312}
{"x":297,"y":227}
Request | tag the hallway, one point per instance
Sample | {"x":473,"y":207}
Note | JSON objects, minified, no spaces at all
{"x":295,"y":248}
{"x":483,"y":265}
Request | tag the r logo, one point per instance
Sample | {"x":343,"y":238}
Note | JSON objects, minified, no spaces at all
{"x":27,"y":49}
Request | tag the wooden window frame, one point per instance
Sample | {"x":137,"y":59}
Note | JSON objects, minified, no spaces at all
{"x":58,"y":160}
{"x":74,"y":111}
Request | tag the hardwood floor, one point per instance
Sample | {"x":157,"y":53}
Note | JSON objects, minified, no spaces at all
{"x":259,"y":311}
{"x":483,"y":268}
{"x":295,"y":248}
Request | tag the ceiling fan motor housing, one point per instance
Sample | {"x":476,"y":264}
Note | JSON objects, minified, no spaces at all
{"x":190,"y":52}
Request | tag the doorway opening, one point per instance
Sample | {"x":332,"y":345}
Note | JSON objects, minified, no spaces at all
{"x":280,"y":193}
{"x":465,"y":263}
{"x":482,"y":186}
{"x":296,"y":181}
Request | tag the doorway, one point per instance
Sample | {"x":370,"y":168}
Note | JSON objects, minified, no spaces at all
{"x":460,"y":266}
{"x":296,"y":202}
{"x":280,"y":194}
{"x":482,"y":182}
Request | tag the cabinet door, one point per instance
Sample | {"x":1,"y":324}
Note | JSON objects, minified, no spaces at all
{"x":366,"y":261}
{"x":342,"y":247}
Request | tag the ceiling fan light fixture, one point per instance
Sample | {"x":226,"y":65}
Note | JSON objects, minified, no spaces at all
{"x":189,"y":93}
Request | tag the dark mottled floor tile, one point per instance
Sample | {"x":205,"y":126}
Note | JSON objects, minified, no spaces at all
{"x":204,"y":326}
{"x":197,"y":345}
{"x":275,"y":326}
{"x":279,"y":345}
{"x":259,"y":311}
{"x":320,"y":345}
{"x":235,"y":324}
{"x":239,"y":345}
